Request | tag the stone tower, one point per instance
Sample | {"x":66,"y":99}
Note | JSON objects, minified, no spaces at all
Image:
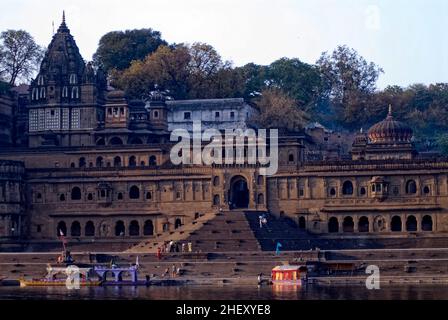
{"x":66,"y":97}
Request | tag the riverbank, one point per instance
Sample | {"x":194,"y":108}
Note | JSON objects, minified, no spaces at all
{"x":397,"y":266}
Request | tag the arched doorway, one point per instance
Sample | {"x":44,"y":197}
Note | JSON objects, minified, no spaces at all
{"x":148,"y":228}
{"x":348,"y":224}
{"x":427,"y":223}
{"x":395,"y":224}
{"x":134,"y":228}
{"x":239,"y":193}
{"x":302,"y":223}
{"x":363,"y":224}
{"x":333,"y":225}
{"x":411,"y":224}
{"x":177,"y":223}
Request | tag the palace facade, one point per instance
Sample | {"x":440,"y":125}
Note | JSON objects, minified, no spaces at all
{"x":92,"y":165}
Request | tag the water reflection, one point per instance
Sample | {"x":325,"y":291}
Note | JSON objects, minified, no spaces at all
{"x":227,"y":292}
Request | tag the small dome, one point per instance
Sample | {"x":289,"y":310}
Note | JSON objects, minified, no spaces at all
{"x":390,"y":131}
{"x":116,"y":94}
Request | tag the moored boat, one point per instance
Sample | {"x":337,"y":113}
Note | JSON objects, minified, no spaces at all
{"x":70,"y":276}
{"x":289,"y":274}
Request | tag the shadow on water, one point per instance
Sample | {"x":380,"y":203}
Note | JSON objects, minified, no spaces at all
{"x":227,"y":292}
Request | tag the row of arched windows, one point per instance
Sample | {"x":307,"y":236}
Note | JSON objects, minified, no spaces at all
{"x":396,"y":225}
{"x":119,"y":229}
{"x":134,"y":193}
{"x":347,"y":188}
{"x":117,"y":162}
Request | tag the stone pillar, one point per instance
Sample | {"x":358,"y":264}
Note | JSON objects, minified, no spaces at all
{"x":355,"y":224}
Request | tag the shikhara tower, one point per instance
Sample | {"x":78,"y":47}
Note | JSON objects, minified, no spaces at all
{"x":66,"y":96}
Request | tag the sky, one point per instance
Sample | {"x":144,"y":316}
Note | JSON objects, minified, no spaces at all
{"x":407,"y":38}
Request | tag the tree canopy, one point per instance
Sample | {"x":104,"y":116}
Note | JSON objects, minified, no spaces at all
{"x":19,"y":56}
{"x":117,"y":49}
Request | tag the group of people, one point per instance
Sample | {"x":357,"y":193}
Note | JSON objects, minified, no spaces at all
{"x":172,"y":246}
{"x":175,"y":272}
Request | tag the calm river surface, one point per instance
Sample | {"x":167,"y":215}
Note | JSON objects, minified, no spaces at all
{"x":226,"y":292}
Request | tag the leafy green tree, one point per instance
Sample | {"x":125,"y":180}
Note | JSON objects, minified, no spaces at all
{"x":19,"y":55}
{"x":117,"y":49}
{"x":277,"y":110}
{"x":349,"y":82}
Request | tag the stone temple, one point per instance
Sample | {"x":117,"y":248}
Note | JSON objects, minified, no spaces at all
{"x":79,"y":159}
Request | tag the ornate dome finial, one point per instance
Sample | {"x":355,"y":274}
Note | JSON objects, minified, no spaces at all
{"x":389,"y":113}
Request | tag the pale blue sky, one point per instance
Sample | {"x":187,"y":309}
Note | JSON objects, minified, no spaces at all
{"x":408,"y":39}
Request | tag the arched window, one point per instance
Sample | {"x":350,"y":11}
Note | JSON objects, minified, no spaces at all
{"x":99,"y":162}
{"x":148,"y":195}
{"x":116,"y":141}
{"x":72,"y":165}
{"x":411,"y":187}
{"x":119,"y":228}
{"x":132,"y":161}
{"x":82,"y":162}
{"x":156,"y":114}
{"x":363,"y":224}
{"x":90,"y":197}
{"x":134,"y":228}
{"x":216,"y":200}
{"x":291,"y":157}
{"x":148,"y":228}
{"x":62,"y":197}
{"x":411,"y":224}
{"x":177,"y":223}
{"x":216,"y":181}
{"x":64,"y":92}
{"x":395,"y":224}
{"x":117,"y":161}
{"x":75,"y":230}
{"x":75,"y":93}
{"x":101,"y":142}
{"x":302,"y":223}
{"x":362,"y":191}
{"x":89,"y":230}
{"x":35,"y":94}
{"x":61,"y":229}
{"x":120,"y":196}
{"x":152,"y":161}
{"x":134,"y":192}
{"x":260,"y":198}
{"x":332,"y":192}
{"x":76,"y":193}
{"x":348,"y":225}
{"x":73,"y":78}
{"x":426,"y":190}
{"x":42,"y":93}
{"x":347,"y":188}
{"x":427,"y":223}
{"x":333,"y":225}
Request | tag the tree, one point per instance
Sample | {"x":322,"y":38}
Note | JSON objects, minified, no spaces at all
{"x":349,"y":82}
{"x":186,"y":72}
{"x":278,"y":110}
{"x":167,"y":69}
{"x":117,"y":49}
{"x":19,"y":55}
{"x":300,"y":80}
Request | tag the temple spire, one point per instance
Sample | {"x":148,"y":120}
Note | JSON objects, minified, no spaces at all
{"x":63,"y":26}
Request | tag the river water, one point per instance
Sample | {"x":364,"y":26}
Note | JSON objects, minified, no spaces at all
{"x":227,"y":292}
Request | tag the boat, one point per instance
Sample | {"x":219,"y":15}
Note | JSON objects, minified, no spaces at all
{"x":289,"y":274}
{"x":59,"y":277}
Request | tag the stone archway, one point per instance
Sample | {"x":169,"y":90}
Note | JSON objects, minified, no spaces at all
{"x":239,"y":193}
